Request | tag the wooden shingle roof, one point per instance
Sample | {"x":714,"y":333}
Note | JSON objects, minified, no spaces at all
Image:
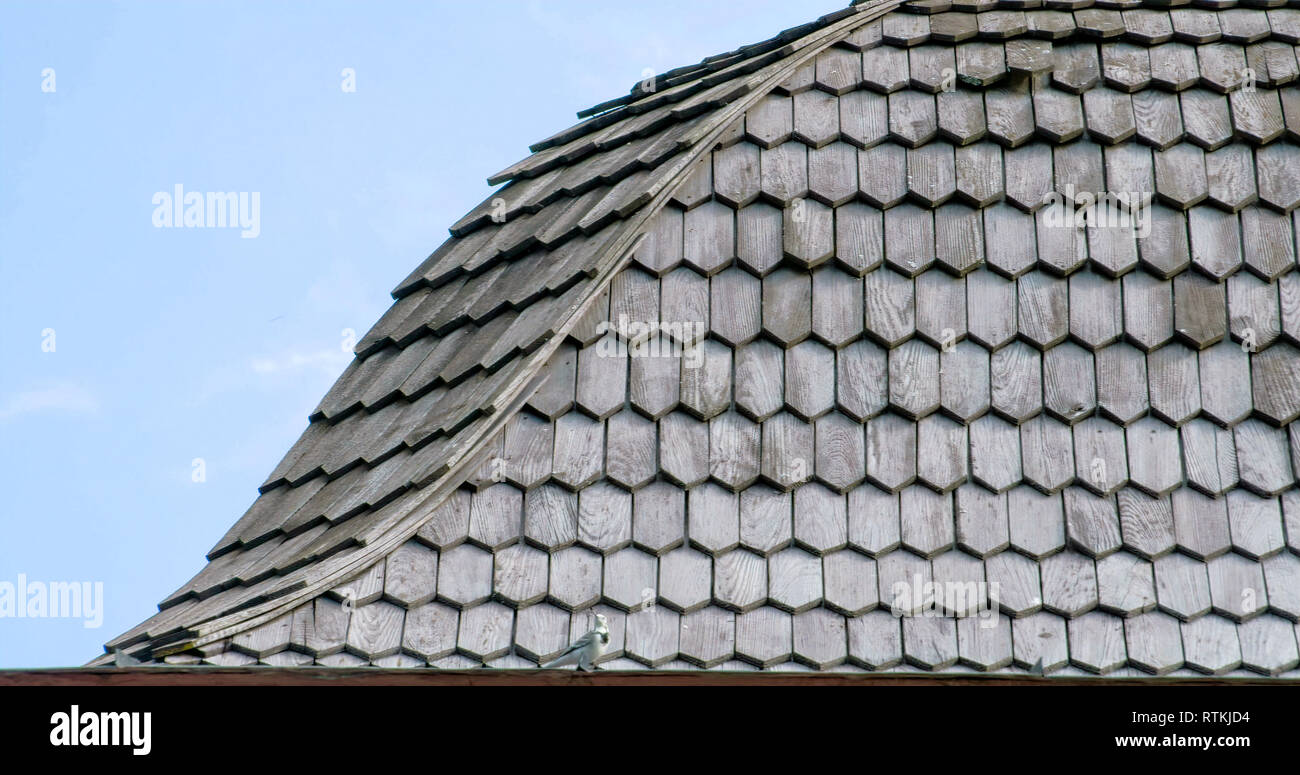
{"x":886,"y":364}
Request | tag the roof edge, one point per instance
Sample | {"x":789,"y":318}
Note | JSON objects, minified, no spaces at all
{"x":397,"y":676}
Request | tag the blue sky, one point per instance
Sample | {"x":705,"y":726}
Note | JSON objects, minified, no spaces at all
{"x":171,"y":345}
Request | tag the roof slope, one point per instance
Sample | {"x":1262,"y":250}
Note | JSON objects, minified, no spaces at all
{"x":908,"y":372}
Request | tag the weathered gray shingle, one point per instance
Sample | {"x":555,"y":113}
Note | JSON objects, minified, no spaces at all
{"x":910,"y":372}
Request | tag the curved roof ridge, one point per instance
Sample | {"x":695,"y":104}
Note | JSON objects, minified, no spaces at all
{"x":392,"y":520}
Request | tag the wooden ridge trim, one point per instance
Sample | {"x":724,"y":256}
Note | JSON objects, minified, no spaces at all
{"x":464,"y":459}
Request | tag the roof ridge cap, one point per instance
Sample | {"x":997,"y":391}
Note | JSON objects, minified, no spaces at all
{"x":515,"y":393}
{"x":652,"y":84}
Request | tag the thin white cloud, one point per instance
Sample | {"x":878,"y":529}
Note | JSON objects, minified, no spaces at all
{"x":61,"y":397}
{"x":331,"y":361}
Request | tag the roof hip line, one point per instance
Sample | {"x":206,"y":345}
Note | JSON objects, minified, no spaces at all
{"x":465,"y":458}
